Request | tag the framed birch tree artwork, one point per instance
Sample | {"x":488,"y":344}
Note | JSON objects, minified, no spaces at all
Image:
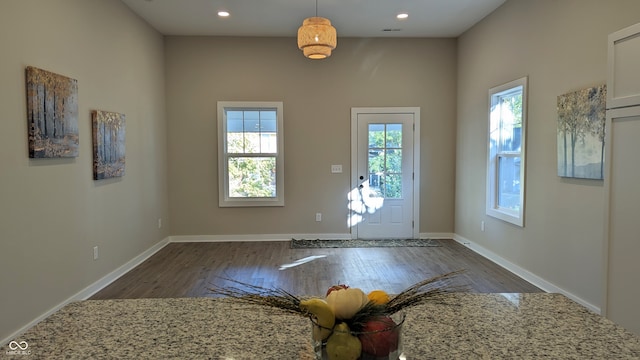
{"x":52,"y":114}
{"x":108,"y":144}
{"x":581,"y":119}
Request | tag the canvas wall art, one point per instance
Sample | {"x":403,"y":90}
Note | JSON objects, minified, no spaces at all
{"x":52,"y":114}
{"x":581,"y":119}
{"x":108,"y":144}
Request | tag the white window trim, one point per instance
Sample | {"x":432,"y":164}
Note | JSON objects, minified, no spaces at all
{"x":492,"y":209}
{"x":223,"y":179}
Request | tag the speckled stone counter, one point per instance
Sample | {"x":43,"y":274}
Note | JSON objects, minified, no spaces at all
{"x":468,"y":326}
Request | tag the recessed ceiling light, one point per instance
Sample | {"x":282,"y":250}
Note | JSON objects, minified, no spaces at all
{"x":402,"y":16}
{"x":223,"y":13}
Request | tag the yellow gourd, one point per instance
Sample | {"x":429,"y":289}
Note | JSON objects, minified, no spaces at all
{"x":323,"y":314}
{"x":346,"y":302}
{"x":341,"y":345}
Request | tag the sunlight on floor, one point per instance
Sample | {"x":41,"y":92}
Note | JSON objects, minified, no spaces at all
{"x":301,"y":261}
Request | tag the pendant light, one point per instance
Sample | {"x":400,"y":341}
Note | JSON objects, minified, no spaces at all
{"x":316,"y":37}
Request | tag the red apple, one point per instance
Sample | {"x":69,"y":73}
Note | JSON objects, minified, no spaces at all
{"x":336,"y":287}
{"x":378,"y":341}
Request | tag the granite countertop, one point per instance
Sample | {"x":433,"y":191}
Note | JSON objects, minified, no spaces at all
{"x":466,"y":326}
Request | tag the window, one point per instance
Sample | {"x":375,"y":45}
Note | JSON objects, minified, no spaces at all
{"x":250,"y":154}
{"x":506,"y":153}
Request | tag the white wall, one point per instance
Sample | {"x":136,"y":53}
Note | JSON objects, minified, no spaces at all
{"x":52,"y":212}
{"x":562,"y":47}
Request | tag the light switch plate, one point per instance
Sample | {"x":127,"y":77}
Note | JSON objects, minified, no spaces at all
{"x":336,"y":169}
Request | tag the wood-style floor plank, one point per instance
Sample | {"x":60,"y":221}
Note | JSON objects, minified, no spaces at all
{"x":189,"y":269}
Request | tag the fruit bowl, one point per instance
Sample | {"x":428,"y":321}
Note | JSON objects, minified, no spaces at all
{"x":379,"y":339}
{"x":347,"y":323}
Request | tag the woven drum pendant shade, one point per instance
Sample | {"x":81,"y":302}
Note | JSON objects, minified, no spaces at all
{"x":316,"y":38}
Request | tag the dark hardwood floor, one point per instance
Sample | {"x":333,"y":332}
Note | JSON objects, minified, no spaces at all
{"x":189,"y":269}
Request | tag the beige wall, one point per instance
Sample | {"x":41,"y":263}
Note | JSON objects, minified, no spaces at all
{"x":317,"y":96}
{"x":52,"y":212}
{"x":562,"y":47}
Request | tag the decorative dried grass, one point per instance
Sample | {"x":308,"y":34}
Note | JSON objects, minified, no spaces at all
{"x":430,"y":289}
{"x":274,"y":298}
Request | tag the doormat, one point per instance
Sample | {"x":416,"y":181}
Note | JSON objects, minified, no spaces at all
{"x":356,"y":243}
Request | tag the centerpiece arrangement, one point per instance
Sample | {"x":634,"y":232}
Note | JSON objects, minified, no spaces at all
{"x":347,"y":323}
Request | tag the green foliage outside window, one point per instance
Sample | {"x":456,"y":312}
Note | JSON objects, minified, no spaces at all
{"x":385,"y":160}
{"x":252,"y":177}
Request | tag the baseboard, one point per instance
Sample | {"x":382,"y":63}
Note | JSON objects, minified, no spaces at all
{"x":93,"y":288}
{"x":523,"y":273}
{"x":117,"y":273}
{"x":256,"y":237}
{"x":436,"y":236}
{"x":283,"y":237}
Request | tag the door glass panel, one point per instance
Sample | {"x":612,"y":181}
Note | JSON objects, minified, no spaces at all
{"x":376,"y":171}
{"x":394,"y":135}
{"x":385,"y":160}
{"x":394,"y":161}
{"x":376,"y":161}
{"x":375,"y":183}
{"x":393,"y":186}
{"x":376,"y":136}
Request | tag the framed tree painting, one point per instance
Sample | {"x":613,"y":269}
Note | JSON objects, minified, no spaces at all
{"x":108,"y":144}
{"x":581,"y":119}
{"x":52,"y":114}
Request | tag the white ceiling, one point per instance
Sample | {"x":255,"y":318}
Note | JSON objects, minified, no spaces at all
{"x":351,"y":18}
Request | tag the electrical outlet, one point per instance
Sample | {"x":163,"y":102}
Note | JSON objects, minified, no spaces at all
{"x":159,"y":223}
{"x":481,"y":225}
{"x":318,"y":216}
{"x":95,"y":253}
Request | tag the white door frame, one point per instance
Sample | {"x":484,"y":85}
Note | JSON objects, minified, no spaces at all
{"x":416,"y":156}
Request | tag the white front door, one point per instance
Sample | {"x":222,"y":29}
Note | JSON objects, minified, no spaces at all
{"x":383,"y":202}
